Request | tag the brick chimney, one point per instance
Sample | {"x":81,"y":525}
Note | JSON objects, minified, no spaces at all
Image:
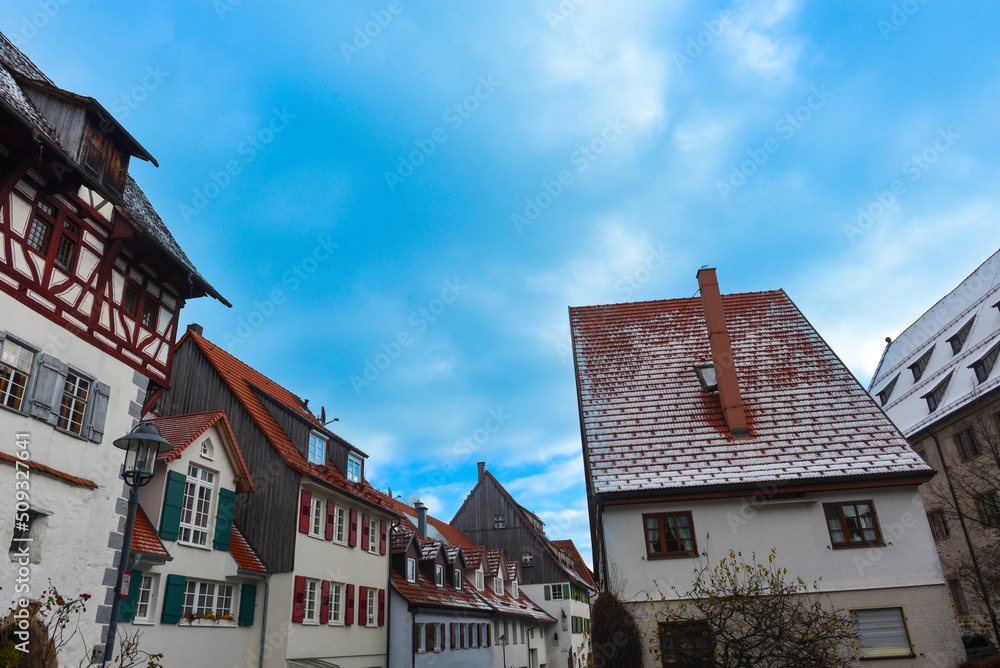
{"x":197,"y":329}
{"x":722,"y":354}
{"x":421,"y":518}
{"x":482,"y":470}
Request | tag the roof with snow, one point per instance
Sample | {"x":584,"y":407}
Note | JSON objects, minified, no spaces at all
{"x":577,"y":561}
{"x":970,"y":312}
{"x":649,"y":426}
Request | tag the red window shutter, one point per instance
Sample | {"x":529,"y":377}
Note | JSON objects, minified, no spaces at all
{"x":349,"y":616}
{"x":304,"y":507}
{"x":324,"y":603}
{"x":365,"y":532}
{"x":385,"y":537}
{"x":329,"y":518}
{"x":381,"y":607}
{"x":362,"y":606}
{"x":299,"y":599}
{"x":489,"y":635}
{"x":352,"y":538}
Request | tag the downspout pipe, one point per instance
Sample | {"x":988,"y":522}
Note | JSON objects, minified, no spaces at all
{"x":968,"y":541}
{"x":263,"y":621}
{"x":388,"y":594}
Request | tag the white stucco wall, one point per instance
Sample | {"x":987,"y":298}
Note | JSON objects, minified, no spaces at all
{"x":569,"y":647}
{"x":76,"y":549}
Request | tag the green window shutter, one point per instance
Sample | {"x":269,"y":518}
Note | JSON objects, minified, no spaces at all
{"x":173,"y":499}
{"x":566,"y":591}
{"x":548,"y":592}
{"x":173,"y":599}
{"x":248,"y":600}
{"x":224,"y":519}
{"x":126,"y":612}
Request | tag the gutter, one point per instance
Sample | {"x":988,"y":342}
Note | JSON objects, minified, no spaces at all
{"x":388,"y":593}
{"x":263,"y":620}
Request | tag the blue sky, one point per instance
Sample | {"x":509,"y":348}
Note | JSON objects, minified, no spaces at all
{"x":401,"y":199}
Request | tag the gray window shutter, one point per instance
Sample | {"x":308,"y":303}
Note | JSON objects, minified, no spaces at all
{"x":50,"y":378}
{"x":3,"y":335}
{"x":98,"y":411}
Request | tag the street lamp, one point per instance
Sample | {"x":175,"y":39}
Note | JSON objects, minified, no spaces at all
{"x":141,"y":446}
{"x":503,"y":643}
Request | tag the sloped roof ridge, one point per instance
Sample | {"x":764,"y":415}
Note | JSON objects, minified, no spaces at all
{"x":680,"y":301}
{"x":186,"y":428}
{"x":15,"y":60}
{"x":578,"y":561}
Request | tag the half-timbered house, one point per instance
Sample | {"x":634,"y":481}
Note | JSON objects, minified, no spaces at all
{"x":91,"y":284}
{"x":314,"y":521}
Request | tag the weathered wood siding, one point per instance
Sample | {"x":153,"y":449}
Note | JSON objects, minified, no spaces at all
{"x":267,"y":517}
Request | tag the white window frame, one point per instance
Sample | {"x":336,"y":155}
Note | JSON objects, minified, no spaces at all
{"x":310,"y":602}
{"x":74,"y":400}
{"x":556,"y":592}
{"x":317,"y":448}
{"x":12,"y":364}
{"x":421,"y":638}
{"x":438,"y":575}
{"x":194,"y":486}
{"x":337,"y":603}
{"x":339,"y":524}
{"x":355,"y":468}
{"x":372,"y":607}
{"x":458,"y":578}
{"x":205,"y":596}
{"x":207,"y":449}
{"x":373,"y":535}
{"x":880,"y":618}
{"x":316,"y":524}
{"x":513,"y":589}
{"x":479,"y":580}
{"x":145,"y":603}
{"x":499,"y":522}
{"x":411,"y":569}
{"x":498,"y":586}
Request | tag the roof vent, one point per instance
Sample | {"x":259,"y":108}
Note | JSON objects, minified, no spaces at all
{"x":723,"y":363}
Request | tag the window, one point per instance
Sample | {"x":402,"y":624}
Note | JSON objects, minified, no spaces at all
{"x":557,"y":592}
{"x":498,"y":586}
{"x":984,"y":365}
{"x":411,"y":569}
{"x":479,"y":580}
{"x":527,"y":559}
{"x":336,"y":603}
{"x":15,"y":368}
{"x":66,"y":248}
{"x":144,"y":601}
{"x":881,"y":633}
{"x":706,"y":376}
{"x":957,"y":340}
{"x":935,"y":396}
{"x":687,"y":644}
{"x":196,"y":506}
{"x":311,"y":609}
{"x":499,"y":522}
{"x":353,"y":468}
{"x":886,"y":392}
{"x":39,"y":235}
{"x":918,"y":367}
{"x":939,"y":525}
{"x":130,"y":301}
{"x":852,"y":524}
{"x":149,"y":312}
{"x":24,"y":523}
{"x":207,"y":600}
{"x":339,"y":524}
{"x":76,"y":390}
{"x":420,"y":639}
{"x":669,"y":535}
{"x":315,"y":517}
{"x":102,"y":158}
{"x":958,"y":597}
{"x":439,"y":575}
{"x":458,"y":578}
{"x":989,"y":509}
{"x":513,"y":588}
{"x":317,"y":449}
{"x":967,"y":444}
{"x":373,"y":536}
{"x":207,"y":449}
{"x":372,"y":606}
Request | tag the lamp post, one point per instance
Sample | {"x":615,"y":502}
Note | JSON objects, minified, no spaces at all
{"x":141,"y":446}
{"x":503,"y":644}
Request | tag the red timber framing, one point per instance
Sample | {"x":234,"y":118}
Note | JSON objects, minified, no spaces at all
{"x":65,"y":260}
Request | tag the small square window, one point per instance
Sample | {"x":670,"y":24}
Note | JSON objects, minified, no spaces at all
{"x":706,"y":376}
{"x":669,"y":535}
{"x":499,"y":522}
{"x":527,"y":559}
{"x":557,"y":592}
{"x":852,"y":524}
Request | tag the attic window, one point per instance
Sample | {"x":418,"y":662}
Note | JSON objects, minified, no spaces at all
{"x":918,"y":367}
{"x":207,"y":450}
{"x":499,"y":522}
{"x":317,"y":448}
{"x":935,"y":396}
{"x":101,"y":157}
{"x":886,"y":392}
{"x":706,"y":376}
{"x":984,"y":366}
{"x":353,"y":468}
{"x":527,"y":559}
{"x":958,"y":339}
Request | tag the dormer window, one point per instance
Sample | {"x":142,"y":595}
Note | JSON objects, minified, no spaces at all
{"x":706,"y":376}
{"x":918,"y":367}
{"x":354,"y":464}
{"x":479,"y":580}
{"x":439,"y":575}
{"x":317,"y":448}
{"x":513,"y":589}
{"x":103,"y":159}
{"x":984,"y":366}
{"x":935,"y":396}
{"x":458,"y":578}
{"x":498,"y":586}
{"x":886,"y":392}
{"x":958,"y":339}
{"x":411,"y":569}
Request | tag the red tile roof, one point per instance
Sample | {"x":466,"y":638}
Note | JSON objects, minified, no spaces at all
{"x":493,"y":558}
{"x":473,"y":556}
{"x":49,"y":471}
{"x":244,"y":555}
{"x":521,"y":606}
{"x":578,"y":564}
{"x":424,"y":592}
{"x":182,"y":430}
{"x":649,"y":426}
{"x":144,"y":538}
{"x":408,"y":513}
{"x":245,"y":382}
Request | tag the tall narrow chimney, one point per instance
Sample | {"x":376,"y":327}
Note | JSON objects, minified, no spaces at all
{"x":482,"y":469}
{"x":197,"y":329}
{"x":722,"y":354}
{"x":421,"y":518}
